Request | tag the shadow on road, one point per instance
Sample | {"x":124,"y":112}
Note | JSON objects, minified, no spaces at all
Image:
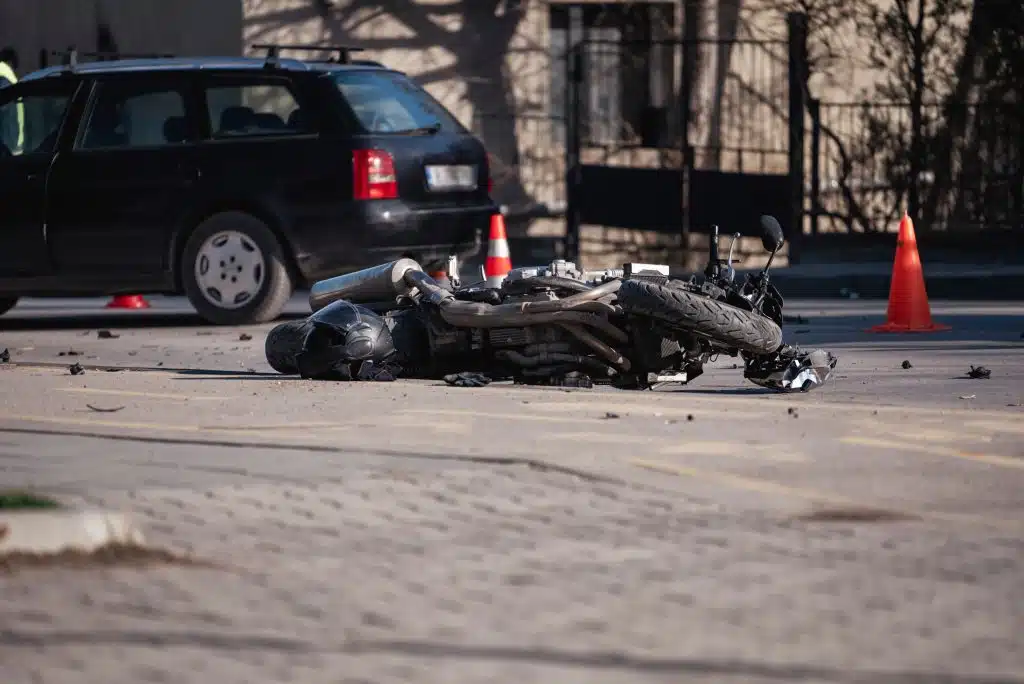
{"x":533,"y":656}
{"x":117,"y":321}
{"x":1007,"y":330}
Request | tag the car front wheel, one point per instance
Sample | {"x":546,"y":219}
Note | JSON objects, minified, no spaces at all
{"x":234,"y":271}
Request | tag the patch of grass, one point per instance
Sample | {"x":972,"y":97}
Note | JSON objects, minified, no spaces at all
{"x":20,"y":500}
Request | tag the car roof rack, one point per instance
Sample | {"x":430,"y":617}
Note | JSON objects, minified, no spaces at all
{"x":274,"y":51}
{"x":71,"y":56}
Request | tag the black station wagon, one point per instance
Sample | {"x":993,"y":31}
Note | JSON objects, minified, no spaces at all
{"x":231,"y":180}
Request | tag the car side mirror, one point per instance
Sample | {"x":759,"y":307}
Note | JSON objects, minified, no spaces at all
{"x":771,"y":234}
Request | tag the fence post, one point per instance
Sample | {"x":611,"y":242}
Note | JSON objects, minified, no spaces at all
{"x":815,"y":109}
{"x":573,"y":83}
{"x":797,"y":28}
{"x":691,"y":22}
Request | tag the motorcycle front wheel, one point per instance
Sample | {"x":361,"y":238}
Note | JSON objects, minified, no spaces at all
{"x":693,"y":313}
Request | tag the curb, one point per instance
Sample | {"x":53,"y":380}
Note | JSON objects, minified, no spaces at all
{"x":49,"y":532}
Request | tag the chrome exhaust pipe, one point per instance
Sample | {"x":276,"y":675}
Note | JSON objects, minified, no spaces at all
{"x":375,"y":284}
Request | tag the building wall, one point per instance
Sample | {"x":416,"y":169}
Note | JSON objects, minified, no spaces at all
{"x":187,"y":27}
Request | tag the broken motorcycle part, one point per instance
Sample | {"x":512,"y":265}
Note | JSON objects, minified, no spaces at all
{"x":791,"y":370}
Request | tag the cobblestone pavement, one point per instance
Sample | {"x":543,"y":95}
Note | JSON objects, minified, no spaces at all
{"x":412,"y":533}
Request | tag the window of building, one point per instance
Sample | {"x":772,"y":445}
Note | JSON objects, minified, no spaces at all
{"x":255,"y":109}
{"x":130,"y":116}
{"x":628,"y":67}
{"x":30,"y":124}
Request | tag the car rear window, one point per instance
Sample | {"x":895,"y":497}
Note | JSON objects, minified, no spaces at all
{"x":387,"y":102}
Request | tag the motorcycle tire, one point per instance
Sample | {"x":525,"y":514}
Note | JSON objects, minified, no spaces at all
{"x":284,"y":341}
{"x":690,"y":312}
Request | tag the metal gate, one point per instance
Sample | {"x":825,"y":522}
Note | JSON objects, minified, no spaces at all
{"x":675,"y":135}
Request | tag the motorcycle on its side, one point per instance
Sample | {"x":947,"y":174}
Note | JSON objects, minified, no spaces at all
{"x":631,"y":328}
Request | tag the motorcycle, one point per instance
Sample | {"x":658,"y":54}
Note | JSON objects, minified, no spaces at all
{"x":631,"y":328}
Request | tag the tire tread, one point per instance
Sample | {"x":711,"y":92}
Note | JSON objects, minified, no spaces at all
{"x":691,"y":312}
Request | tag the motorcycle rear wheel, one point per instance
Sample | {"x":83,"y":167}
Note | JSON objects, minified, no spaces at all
{"x":693,"y":313}
{"x":284,"y":342}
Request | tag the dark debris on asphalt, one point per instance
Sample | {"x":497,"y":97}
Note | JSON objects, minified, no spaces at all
{"x":979,"y":373}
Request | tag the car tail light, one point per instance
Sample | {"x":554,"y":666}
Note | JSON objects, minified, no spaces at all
{"x":373,"y":175}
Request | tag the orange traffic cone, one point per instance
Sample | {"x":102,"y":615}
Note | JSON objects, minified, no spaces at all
{"x":909,"y":310}
{"x":442,"y":278}
{"x":498,"y":262}
{"x":128,"y":302}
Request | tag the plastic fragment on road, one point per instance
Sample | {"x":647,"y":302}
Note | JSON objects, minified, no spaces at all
{"x":792,"y":370}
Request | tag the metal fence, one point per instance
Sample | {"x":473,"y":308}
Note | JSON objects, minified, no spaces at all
{"x":967,"y":173}
{"x":528,"y":159}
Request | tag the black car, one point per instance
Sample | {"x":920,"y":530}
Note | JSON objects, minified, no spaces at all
{"x":231,"y":180}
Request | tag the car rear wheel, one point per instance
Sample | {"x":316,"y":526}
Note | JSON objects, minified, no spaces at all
{"x":7,"y":303}
{"x":234,"y":272}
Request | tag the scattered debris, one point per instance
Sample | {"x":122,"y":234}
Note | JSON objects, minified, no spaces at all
{"x":849,"y":293}
{"x":968,"y":396}
{"x":979,"y":373}
{"x":689,"y":416}
{"x":794,"y":319}
{"x":467,"y":379}
{"x":906,"y":365}
{"x":76,"y":369}
{"x":244,"y":337}
{"x":609,"y":415}
{"x":105,"y":410}
{"x":801,"y":331}
{"x":792,"y":411}
{"x":5,"y":355}
{"x":204,"y":332}
{"x":70,"y":352}
{"x":106,"y":335}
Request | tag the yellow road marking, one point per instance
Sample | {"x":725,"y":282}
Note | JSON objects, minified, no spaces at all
{"x":270,"y":426}
{"x":646,"y":409}
{"x":768,"y":487}
{"x":1015,"y":425}
{"x":781,"y":453}
{"x":146,"y":395}
{"x":511,"y":415}
{"x":922,"y":432}
{"x":932,"y":450}
{"x":679,"y":446}
{"x":815,"y":400}
{"x":102,"y":423}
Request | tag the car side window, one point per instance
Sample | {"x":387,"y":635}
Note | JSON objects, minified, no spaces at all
{"x":254,"y":109}
{"x":30,"y":122}
{"x":135,"y":115}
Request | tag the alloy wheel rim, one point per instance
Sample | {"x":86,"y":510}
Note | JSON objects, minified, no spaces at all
{"x":230,"y":269}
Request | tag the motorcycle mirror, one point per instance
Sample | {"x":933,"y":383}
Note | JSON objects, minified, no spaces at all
{"x":772,"y":237}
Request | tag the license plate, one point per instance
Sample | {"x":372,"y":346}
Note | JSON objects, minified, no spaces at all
{"x":445,"y":178}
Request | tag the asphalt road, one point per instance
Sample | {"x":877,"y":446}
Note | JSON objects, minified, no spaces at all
{"x":412,"y":532}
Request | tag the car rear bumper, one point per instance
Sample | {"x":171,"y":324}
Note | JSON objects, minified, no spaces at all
{"x":378,"y":232}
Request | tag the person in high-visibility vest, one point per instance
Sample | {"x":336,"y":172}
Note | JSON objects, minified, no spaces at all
{"x":12,"y":129}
